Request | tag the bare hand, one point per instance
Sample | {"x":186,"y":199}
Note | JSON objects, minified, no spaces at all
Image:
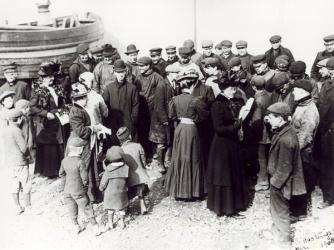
{"x":50,"y":116}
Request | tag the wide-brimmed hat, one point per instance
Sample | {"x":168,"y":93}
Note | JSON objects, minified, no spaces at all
{"x":119,"y":66}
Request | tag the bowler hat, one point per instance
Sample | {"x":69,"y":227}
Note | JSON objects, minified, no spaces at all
{"x":144,"y":61}
{"x":279,"y":108}
{"x":130,"y":49}
{"x":115,"y":154}
{"x":297,"y":68}
{"x":303,"y":84}
{"x":6,"y":94}
{"x":281,"y":64}
{"x":108,"y":50}
{"x":275,"y":39}
{"x":119,"y":66}
{"x":82,"y":48}
{"x":123,"y":133}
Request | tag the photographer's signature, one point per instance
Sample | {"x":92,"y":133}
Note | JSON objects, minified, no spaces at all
{"x":319,"y":240}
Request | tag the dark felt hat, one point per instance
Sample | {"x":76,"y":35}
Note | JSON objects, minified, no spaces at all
{"x":108,"y":50}
{"x":130,"y":49}
{"x":235,"y":61}
{"x":119,"y":66}
{"x":297,"y":68}
{"x":259,"y":58}
{"x":144,"y":61}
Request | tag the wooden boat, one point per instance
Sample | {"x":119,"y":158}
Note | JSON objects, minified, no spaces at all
{"x":30,"y":44}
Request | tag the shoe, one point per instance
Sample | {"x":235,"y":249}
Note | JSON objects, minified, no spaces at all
{"x":323,"y":204}
{"x":238,"y":216}
{"x":19,"y":210}
{"x":96,"y":230}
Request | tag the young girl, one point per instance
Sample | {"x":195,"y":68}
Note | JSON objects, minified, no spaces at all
{"x":114,"y":185}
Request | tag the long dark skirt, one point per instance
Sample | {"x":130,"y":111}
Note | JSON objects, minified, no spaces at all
{"x":48,"y":159}
{"x":185,"y":177}
{"x":227,"y":185}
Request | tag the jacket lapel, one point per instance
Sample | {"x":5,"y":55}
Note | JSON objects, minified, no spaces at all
{"x":277,"y":136}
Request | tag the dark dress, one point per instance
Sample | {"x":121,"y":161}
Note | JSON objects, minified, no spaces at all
{"x":185,"y":177}
{"x":47,"y":133}
{"x":227,"y":189}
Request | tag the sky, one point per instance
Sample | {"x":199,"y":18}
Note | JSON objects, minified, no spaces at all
{"x":159,"y":23}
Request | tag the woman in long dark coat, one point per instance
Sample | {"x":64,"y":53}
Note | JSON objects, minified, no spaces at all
{"x":185,"y":177}
{"x":46,"y":100}
{"x":227,"y":189}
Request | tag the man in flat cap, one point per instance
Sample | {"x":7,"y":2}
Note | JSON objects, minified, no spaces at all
{"x":285,"y":171}
{"x":172,"y":57}
{"x":207,"y":47}
{"x":194,"y":55}
{"x":282,"y":64}
{"x":327,"y":53}
{"x":21,"y":88}
{"x":323,"y":72}
{"x":146,"y":82}
{"x":132,"y":58}
{"x":227,"y":54}
{"x":326,"y":128}
{"x":282,"y":90}
{"x":276,"y":50}
{"x":261,"y":68}
{"x":305,"y":121}
{"x":185,"y":63}
{"x":81,"y":64}
{"x":104,"y":70}
{"x":297,"y":71}
{"x":245,"y":57}
{"x":158,"y":63}
{"x":212,"y":69}
{"x":122,"y":99}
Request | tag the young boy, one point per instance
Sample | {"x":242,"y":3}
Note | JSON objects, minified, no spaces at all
{"x":114,"y":185}
{"x":75,"y":176}
{"x":16,"y":152}
{"x":134,"y":157}
{"x":285,"y":170}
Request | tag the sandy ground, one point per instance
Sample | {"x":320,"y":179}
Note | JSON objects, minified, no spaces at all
{"x":169,"y":224}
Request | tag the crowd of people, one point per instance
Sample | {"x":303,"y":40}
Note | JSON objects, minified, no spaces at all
{"x":217,"y":124}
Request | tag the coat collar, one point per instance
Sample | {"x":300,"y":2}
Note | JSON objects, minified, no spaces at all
{"x":276,"y":137}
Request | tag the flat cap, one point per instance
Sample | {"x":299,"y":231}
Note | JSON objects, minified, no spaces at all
{"x":130,"y":49}
{"x":218,"y":46}
{"x":275,"y":39}
{"x":281,"y":63}
{"x":82,"y":48}
{"x":235,"y":61}
{"x":119,"y":66}
{"x":330,"y":63}
{"x":144,"y":60}
{"x":155,"y":51}
{"x":297,"y":68}
{"x":6,"y":94}
{"x":189,"y":74}
{"x":171,"y":48}
{"x":210,"y":61}
{"x":185,"y":51}
{"x":189,"y":44}
{"x":123,"y":133}
{"x":258,"y":81}
{"x":241,"y":44}
{"x":226,"y":43}
{"x":207,"y":44}
{"x":172,"y":68}
{"x":13,"y":114}
{"x":10,"y":67}
{"x":279,"y":79}
{"x":279,"y":108}
{"x":114,"y":154}
{"x":329,"y":38}
{"x":303,"y":84}
{"x":322,"y":63}
{"x":259,"y":58}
